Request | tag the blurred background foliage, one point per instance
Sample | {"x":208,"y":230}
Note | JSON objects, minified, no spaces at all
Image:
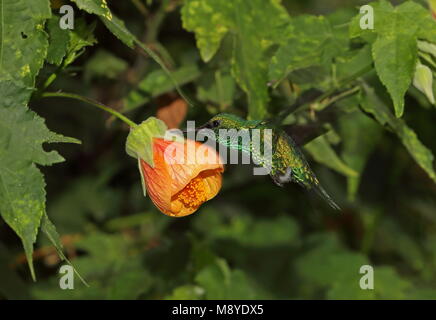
{"x":254,"y":240}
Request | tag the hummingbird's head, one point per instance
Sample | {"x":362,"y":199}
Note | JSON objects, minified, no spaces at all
{"x":223,"y":121}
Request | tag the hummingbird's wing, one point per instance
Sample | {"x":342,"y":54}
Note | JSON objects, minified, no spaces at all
{"x":301,"y":133}
{"x":304,"y":133}
{"x":295,"y":168}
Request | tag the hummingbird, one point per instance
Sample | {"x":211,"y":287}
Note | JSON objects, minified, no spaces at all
{"x":287,"y":164}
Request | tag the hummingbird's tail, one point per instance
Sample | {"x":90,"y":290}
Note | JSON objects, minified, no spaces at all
{"x":319,"y":190}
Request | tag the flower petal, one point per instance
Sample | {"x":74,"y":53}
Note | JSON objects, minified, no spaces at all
{"x":213,"y":181}
{"x":187,"y":160}
{"x":156,"y":182}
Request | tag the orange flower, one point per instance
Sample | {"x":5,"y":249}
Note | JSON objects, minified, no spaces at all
{"x":181,"y":180}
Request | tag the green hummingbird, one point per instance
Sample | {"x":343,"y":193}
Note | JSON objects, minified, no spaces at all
{"x":286,"y":163}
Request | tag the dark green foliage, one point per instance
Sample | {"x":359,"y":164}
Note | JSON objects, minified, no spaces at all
{"x":308,"y":64}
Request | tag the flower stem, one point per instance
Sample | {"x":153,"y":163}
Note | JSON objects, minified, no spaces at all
{"x":90,"y":102}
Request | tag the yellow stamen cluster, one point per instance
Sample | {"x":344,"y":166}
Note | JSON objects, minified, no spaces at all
{"x":194,"y":194}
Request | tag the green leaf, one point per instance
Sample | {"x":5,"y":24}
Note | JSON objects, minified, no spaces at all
{"x":23,"y":41}
{"x":255,"y":26}
{"x":114,"y":270}
{"x":349,"y":66}
{"x":131,"y":281}
{"x":394,"y":239}
{"x":395,"y":56}
{"x":22,"y":186}
{"x":220,"y":282}
{"x":109,"y":252}
{"x":423,"y":81}
{"x":372,"y":104}
{"x":58,"y":41}
{"x":386,"y":16}
{"x":210,"y":21}
{"x":114,"y":24}
{"x":395,"y":49}
{"x":201,"y":254}
{"x":339,"y":273}
{"x":321,"y":150}
{"x":13,"y":94}
{"x":83,"y":198}
{"x":218,"y":88}
{"x":260,"y":233}
{"x":388,"y":284}
{"x":119,"y":30}
{"x":117,"y":27}
{"x":187,"y":292}
{"x":305,"y":40}
{"x":156,"y":83}
{"x":98,"y":7}
{"x":139,"y":144}
{"x":427,"y":47}
{"x":82,"y":36}
{"x":104,"y":64}
{"x":360,"y":134}
{"x":50,"y":231}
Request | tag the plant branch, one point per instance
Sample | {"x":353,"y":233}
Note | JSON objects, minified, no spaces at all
{"x":330,"y":101}
{"x":141,"y":7}
{"x":341,"y":83}
{"x":154,"y":23}
{"x":92,"y":103}
{"x":49,"y":80}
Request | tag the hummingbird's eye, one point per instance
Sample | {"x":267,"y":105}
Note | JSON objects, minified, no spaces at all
{"x":216,"y":123}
